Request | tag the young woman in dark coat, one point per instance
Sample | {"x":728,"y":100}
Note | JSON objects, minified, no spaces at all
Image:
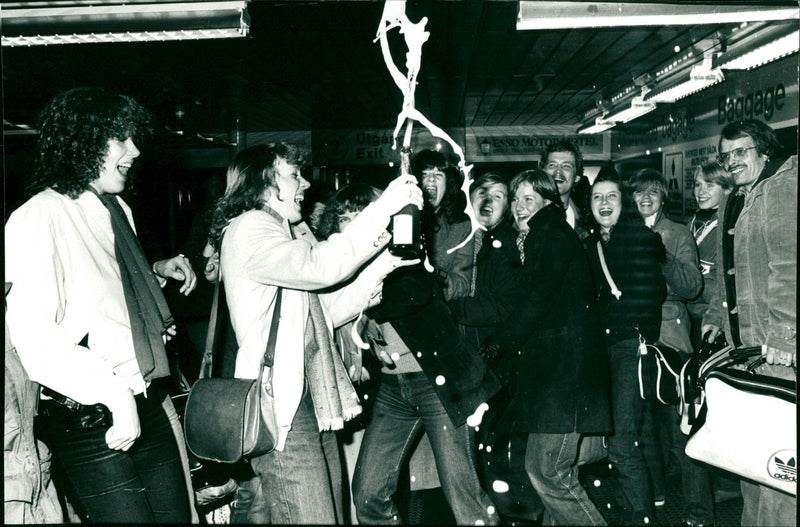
{"x":633,"y":254}
{"x":562,"y":373}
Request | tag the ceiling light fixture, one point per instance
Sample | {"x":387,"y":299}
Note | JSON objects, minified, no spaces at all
{"x":534,"y":14}
{"x":600,"y":125}
{"x":638,"y":108}
{"x":134,"y":22}
{"x":767,"y":53}
{"x":701,"y":77}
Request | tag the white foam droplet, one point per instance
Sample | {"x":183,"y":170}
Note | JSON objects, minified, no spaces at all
{"x":610,"y":467}
{"x":608,"y":505}
{"x":490,"y":509}
{"x":500,"y":486}
{"x":597,"y":483}
{"x":419,"y":354}
{"x":489,"y":448}
{"x":439,"y":380}
{"x":366,"y":396}
{"x":646,"y":519}
{"x":635,"y":443}
{"x":480,"y":446}
{"x":413,"y":479}
{"x":479,"y":522}
{"x":497,"y":244}
{"x":679,"y":321}
{"x":395,"y":356}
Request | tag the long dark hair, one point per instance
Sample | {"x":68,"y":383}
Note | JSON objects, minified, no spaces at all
{"x":453,"y":202}
{"x":74,"y":130}
{"x":250,"y":175}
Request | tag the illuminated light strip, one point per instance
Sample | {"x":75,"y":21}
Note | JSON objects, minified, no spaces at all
{"x":571,"y":15}
{"x":131,"y":36}
{"x":600,"y":125}
{"x":123,"y":9}
{"x":637,"y":108}
{"x":767,"y":53}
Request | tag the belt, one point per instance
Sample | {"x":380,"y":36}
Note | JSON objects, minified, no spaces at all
{"x":74,"y":415}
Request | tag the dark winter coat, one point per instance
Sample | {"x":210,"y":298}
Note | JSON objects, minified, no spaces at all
{"x":497,"y":284}
{"x":562,"y":381}
{"x":413,"y":303}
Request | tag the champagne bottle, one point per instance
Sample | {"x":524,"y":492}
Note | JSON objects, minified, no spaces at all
{"x":405,"y":226}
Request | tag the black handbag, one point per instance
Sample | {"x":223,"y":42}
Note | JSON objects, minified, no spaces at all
{"x":659,"y":372}
{"x":223,"y":420}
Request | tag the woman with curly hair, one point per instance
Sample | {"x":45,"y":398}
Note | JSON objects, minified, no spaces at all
{"x":88,"y":317}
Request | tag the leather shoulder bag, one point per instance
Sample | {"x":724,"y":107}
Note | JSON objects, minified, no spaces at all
{"x":224,"y":421}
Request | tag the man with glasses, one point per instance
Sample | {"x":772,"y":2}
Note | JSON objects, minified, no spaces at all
{"x":755,"y":301}
{"x":562,"y":160}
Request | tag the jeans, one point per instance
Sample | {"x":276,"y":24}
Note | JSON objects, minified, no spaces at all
{"x":300,"y":485}
{"x":625,"y":453}
{"x":550,"y":460}
{"x":145,"y":484}
{"x":405,"y":404}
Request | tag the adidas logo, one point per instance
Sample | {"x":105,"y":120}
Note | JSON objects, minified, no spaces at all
{"x":782,"y":465}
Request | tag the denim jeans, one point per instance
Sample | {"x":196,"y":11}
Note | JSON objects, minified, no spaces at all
{"x":144,"y":484}
{"x":405,"y":405}
{"x":300,"y":485}
{"x":550,"y":460}
{"x":625,"y":453}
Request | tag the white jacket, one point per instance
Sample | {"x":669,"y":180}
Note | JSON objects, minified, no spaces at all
{"x":259,"y":255}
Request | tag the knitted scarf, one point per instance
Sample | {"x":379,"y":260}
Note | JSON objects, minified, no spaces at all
{"x":147,"y":307}
{"x":335,"y":400}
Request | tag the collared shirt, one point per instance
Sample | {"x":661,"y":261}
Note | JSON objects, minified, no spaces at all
{"x":60,"y":256}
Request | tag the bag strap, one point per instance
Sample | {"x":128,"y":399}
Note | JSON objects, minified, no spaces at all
{"x":728,"y":357}
{"x":206,"y":365}
{"x":208,"y":354}
{"x":269,"y":354}
{"x":614,"y":289}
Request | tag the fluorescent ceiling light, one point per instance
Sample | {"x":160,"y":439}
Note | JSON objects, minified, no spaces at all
{"x":130,"y":36}
{"x":600,"y":125}
{"x":637,"y":108}
{"x":76,"y":22}
{"x":535,"y":14}
{"x":767,"y":53}
{"x":701,"y":77}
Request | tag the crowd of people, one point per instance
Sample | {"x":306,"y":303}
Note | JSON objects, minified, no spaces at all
{"x":549,"y":301}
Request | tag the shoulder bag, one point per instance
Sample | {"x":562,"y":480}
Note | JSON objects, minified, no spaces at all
{"x":747,"y":423}
{"x":224,"y":421}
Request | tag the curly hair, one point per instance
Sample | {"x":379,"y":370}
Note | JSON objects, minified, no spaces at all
{"x":351,"y":198}
{"x":249,"y":176}
{"x":74,"y":130}
{"x":562,"y":145}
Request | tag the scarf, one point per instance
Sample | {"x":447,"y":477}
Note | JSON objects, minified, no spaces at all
{"x":335,"y":400}
{"x":147,"y":307}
